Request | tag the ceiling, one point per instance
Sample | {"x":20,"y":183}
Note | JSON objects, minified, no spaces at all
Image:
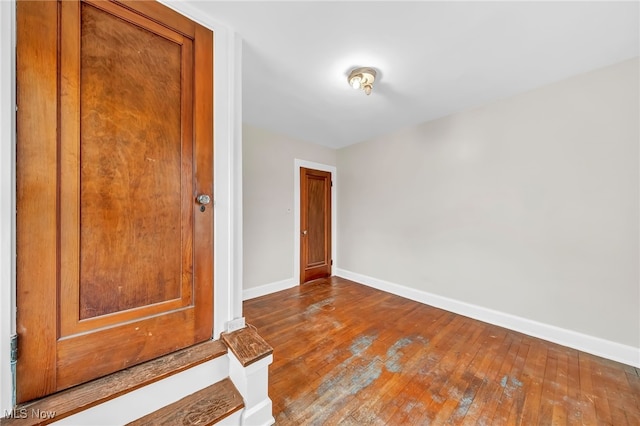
{"x":433,"y":58}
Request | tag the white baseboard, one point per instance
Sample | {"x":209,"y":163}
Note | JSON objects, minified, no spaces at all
{"x":583,"y":342}
{"x":263,"y":290}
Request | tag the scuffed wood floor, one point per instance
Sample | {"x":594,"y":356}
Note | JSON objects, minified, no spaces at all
{"x":348,"y":354}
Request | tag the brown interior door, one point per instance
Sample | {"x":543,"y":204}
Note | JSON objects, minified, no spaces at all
{"x":115,"y":143}
{"x":315,"y":224}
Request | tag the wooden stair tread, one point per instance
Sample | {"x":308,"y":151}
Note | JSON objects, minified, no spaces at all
{"x":71,"y":401}
{"x":247,"y":345}
{"x":203,"y":408}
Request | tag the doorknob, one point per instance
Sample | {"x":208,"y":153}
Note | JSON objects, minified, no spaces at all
{"x":203,"y":199}
{"x":304,"y":232}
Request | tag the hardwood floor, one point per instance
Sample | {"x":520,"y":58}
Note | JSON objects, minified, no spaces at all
{"x":348,"y":354}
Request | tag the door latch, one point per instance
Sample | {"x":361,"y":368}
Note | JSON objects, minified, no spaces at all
{"x":203,"y":200}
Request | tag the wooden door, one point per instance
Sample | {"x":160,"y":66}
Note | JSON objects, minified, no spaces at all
{"x":315,"y":224}
{"x":115,"y":143}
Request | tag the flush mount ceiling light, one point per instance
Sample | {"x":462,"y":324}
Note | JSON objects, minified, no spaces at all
{"x":362,"y":78}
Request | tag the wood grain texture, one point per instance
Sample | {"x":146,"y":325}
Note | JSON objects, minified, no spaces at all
{"x":156,"y":12}
{"x":317,"y":212}
{"x":203,"y":170}
{"x":315,"y":224}
{"x":115,"y":259}
{"x":203,"y":408}
{"x":87,"y":395}
{"x":247,"y":345}
{"x":112,"y":251}
{"x":348,"y":354}
{"x":122,"y":346}
{"x":130,"y":168}
{"x":36,"y":196}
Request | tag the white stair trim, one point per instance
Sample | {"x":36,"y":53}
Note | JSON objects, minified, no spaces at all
{"x":252,"y":382}
{"x":152,"y":397}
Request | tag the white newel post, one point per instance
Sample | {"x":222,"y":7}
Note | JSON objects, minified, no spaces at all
{"x":252,"y":382}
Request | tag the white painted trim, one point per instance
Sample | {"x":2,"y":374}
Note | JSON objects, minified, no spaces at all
{"x":140,"y":402}
{"x":193,"y":12}
{"x":260,"y":415}
{"x":236,"y":180}
{"x":263,"y":290}
{"x":297,"y":164}
{"x":234,"y":419}
{"x":252,"y":382}
{"x":582,"y":342}
{"x":7,"y":194}
{"x":227,"y":180}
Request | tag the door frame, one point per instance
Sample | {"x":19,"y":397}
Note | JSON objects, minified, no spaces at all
{"x":7,"y":192}
{"x":297,"y":165}
{"x":227,"y":179}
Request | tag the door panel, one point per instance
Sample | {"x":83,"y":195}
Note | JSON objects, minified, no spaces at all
{"x":119,"y":248}
{"x":132,"y":175}
{"x":316,"y":201}
{"x":315,"y":224}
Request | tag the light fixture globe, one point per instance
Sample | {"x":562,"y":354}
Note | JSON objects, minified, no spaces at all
{"x":362,"y":78}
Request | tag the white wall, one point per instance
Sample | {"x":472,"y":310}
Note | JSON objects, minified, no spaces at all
{"x":268,"y":203}
{"x":528,"y":206}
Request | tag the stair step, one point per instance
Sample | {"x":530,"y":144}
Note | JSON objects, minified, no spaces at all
{"x":247,"y":345}
{"x":85,"y":396}
{"x":205,"y":407}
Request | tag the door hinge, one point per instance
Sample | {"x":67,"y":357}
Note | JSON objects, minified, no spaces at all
{"x":331,"y":262}
{"x":14,"y":348}
{"x":14,"y":361}
{"x":331,"y":183}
